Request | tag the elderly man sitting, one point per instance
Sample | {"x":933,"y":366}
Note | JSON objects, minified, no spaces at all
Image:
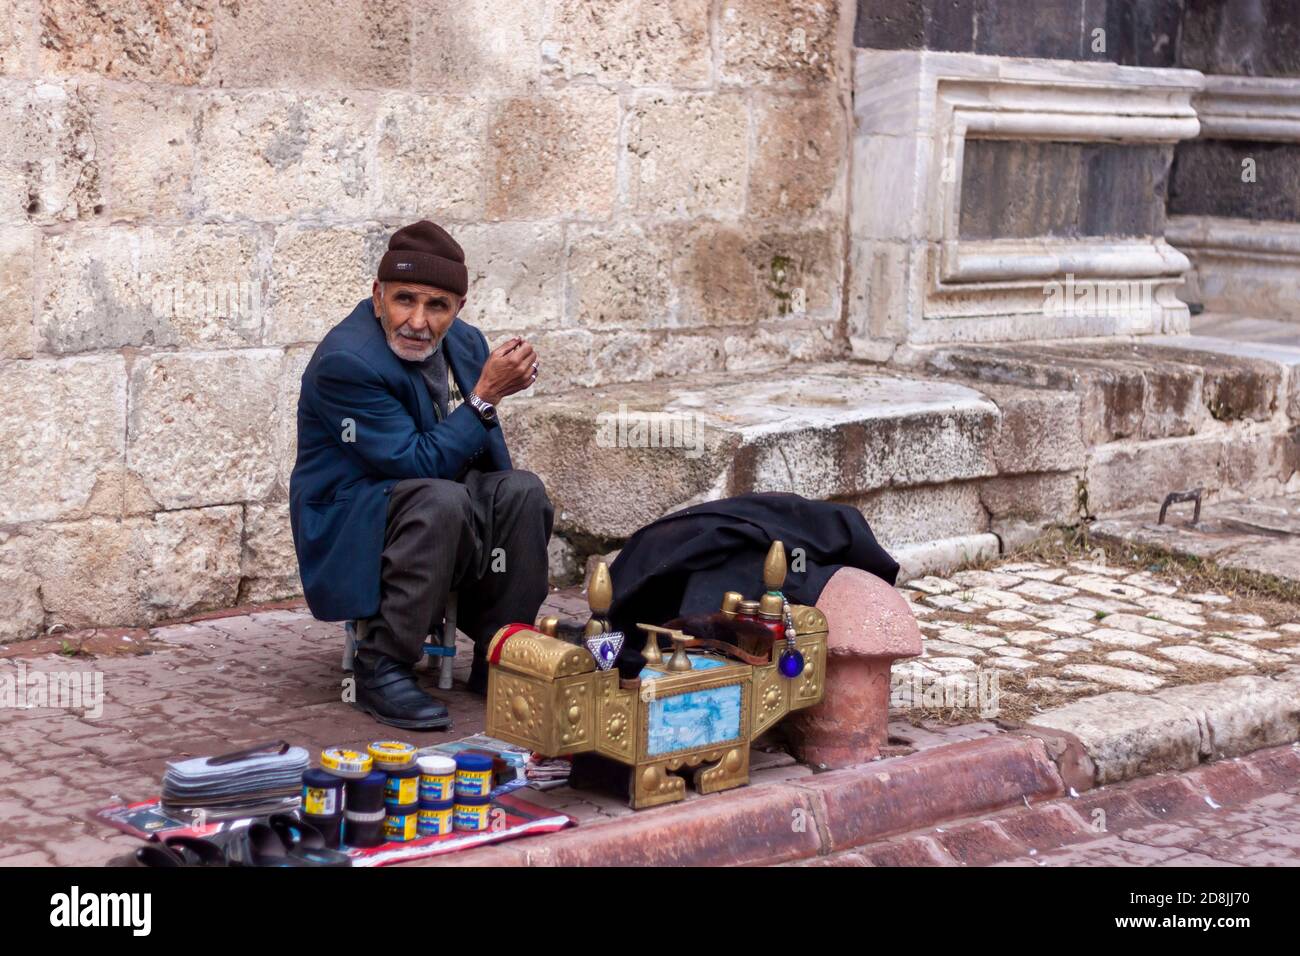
{"x":402,"y":492}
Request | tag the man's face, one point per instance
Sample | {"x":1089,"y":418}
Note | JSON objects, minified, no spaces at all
{"x":414,"y":317}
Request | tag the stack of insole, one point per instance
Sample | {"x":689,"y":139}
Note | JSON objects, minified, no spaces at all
{"x":246,"y":784}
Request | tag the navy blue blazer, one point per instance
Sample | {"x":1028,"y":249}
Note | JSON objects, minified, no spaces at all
{"x":366,"y":421}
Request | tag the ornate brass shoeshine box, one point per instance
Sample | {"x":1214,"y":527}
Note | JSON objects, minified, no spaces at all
{"x":548,"y":695}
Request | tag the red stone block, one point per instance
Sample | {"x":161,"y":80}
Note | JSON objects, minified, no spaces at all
{"x":1279,"y":766}
{"x":1164,"y":797}
{"x":965,"y":779}
{"x":1110,"y":810}
{"x":979,"y":843}
{"x":1047,"y":827}
{"x":913,"y":851}
{"x":1231,"y":782}
{"x":755,"y":827}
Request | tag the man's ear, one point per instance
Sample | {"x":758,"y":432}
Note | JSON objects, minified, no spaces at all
{"x":376,"y":295}
{"x":463,"y":300}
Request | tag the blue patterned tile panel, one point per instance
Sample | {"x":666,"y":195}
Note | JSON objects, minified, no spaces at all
{"x":699,"y":718}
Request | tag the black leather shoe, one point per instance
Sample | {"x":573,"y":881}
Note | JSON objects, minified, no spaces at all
{"x":388,"y":692}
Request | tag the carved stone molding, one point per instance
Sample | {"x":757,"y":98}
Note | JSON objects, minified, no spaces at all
{"x":917,"y":281}
{"x":1244,"y":265}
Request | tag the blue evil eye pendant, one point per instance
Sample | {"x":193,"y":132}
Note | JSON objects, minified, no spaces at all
{"x":605,"y":647}
{"x":790,"y":663}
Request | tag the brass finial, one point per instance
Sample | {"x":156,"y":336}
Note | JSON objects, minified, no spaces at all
{"x":600,"y":595}
{"x":600,"y":592}
{"x":548,"y":624}
{"x":774,"y":567}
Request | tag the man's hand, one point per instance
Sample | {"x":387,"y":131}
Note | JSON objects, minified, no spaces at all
{"x":510,"y":367}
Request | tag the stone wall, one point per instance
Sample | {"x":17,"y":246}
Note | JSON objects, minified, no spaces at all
{"x":192,"y":193}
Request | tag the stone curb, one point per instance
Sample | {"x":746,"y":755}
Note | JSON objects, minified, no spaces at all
{"x":1152,"y":802}
{"x":1124,"y":735}
{"x":807,"y":818}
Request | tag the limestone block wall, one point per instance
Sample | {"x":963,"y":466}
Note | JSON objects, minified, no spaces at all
{"x":192,"y":193}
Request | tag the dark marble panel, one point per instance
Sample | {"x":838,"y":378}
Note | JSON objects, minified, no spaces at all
{"x":1123,"y":189}
{"x":1018,"y":189}
{"x":1043,"y":28}
{"x":1067,"y":190}
{"x":1143,"y":33}
{"x":1207,"y":180}
{"x":950,"y":25}
{"x":890,"y":24}
{"x":1242,"y":37}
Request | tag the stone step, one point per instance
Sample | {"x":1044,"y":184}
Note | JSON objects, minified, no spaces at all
{"x":907,"y":451}
{"x":1159,"y":387}
{"x":1168,"y":413}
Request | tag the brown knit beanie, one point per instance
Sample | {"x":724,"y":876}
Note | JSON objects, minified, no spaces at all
{"x":426,"y":254}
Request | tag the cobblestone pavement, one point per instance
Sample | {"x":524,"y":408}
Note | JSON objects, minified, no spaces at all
{"x":1241,"y":812}
{"x":1056,"y":634}
{"x":235,"y":679}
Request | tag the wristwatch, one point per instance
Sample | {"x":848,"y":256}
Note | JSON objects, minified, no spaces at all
{"x":486,"y":411}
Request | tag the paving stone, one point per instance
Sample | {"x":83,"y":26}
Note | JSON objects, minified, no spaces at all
{"x":1186,"y":613}
{"x":985,"y":579}
{"x":992,"y":597}
{"x":1187,"y":654}
{"x":932,"y":585}
{"x":1113,"y":676}
{"x":1070,"y":645}
{"x":1005,"y":651}
{"x":1044,"y":591}
{"x":1148,"y":626}
{"x":1106,"y":587}
{"x":1140,"y":661}
{"x":1067,"y":625}
{"x":1208,"y":597}
{"x":1011,"y":664}
{"x":1147,"y":583}
{"x":1053,"y":657}
{"x":1008,"y":616}
{"x":1247,"y":620}
{"x":1244,"y":651}
{"x":1029,"y":638}
{"x":949,"y":665}
{"x":1045,"y":574}
{"x":1057,"y":686}
{"x":1254,"y":635}
{"x":1117,"y":638}
{"x":936,"y":646}
{"x":960,"y":635}
{"x":1103,"y":605}
{"x":1021,"y":568}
